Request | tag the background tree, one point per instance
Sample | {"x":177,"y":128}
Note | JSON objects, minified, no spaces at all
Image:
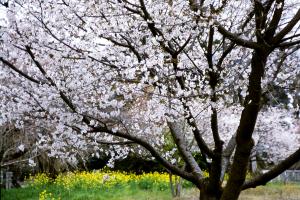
{"x":116,"y":71}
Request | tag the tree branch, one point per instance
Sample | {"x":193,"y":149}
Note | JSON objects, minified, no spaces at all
{"x":183,"y":46}
{"x":191,"y":121}
{"x":5,"y":4}
{"x":182,"y":147}
{"x":115,"y":143}
{"x":270,"y":31}
{"x":17,"y":161}
{"x":10,"y":65}
{"x":275,"y":171}
{"x":288,"y":44}
{"x":52,"y":83}
{"x":174,"y":169}
{"x":234,"y":37}
{"x":290,"y":37}
{"x":127,"y":45}
{"x":279,"y":36}
{"x":155,"y":32}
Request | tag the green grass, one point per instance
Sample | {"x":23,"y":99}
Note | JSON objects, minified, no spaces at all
{"x":129,"y":192}
{"x":274,"y":191}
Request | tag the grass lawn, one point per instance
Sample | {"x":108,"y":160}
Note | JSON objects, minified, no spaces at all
{"x":132,"y":192}
{"x":116,"y":193}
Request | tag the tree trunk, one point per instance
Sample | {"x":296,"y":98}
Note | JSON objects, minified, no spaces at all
{"x":246,"y":127}
{"x":206,"y":195}
{"x":175,"y":185}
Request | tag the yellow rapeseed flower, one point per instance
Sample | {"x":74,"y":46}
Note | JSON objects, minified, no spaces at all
{"x":100,"y":179}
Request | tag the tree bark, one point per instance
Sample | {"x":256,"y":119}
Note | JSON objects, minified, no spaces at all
{"x":209,"y":195}
{"x":246,"y":127}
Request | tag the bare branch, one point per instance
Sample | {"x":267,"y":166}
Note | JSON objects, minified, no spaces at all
{"x":10,"y":65}
{"x":270,"y":31}
{"x":183,"y":46}
{"x":115,"y":143}
{"x":234,"y":37}
{"x":275,"y":171}
{"x":290,"y":37}
{"x":155,"y":32}
{"x":279,"y":36}
{"x":17,"y":161}
{"x":180,"y":142}
{"x":288,"y":44}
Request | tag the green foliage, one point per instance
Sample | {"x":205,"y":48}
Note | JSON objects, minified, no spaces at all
{"x":146,"y":184}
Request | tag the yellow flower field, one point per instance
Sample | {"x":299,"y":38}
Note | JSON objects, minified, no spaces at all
{"x":100,"y":179}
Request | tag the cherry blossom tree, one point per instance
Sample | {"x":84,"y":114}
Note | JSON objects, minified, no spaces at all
{"x":125,"y":72}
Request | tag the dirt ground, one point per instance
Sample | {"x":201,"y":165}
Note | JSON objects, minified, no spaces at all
{"x":283,"y":192}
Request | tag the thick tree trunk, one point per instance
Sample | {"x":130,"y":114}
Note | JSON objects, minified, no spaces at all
{"x":210,"y":191}
{"x":206,"y":195}
{"x":246,"y":127}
